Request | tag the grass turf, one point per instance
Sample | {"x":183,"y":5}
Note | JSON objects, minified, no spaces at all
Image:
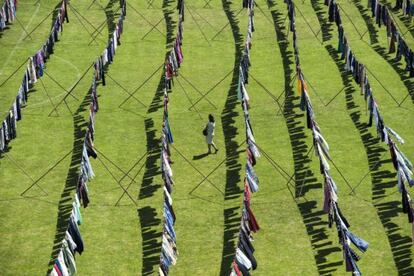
{"x":295,"y":238}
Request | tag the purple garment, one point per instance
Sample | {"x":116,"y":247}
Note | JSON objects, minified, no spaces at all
{"x":327,"y":201}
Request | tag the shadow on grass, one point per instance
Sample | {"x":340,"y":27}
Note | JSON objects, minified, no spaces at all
{"x":313,"y":217}
{"x":150,"y":239}
{"x":382,"y":180}
{"x":2,"y":31}
{"x":405,"y":19}
{"x":66,"y":197}
{"x":200,"y":156}
{"x":150,"y":232}
{"x":32,"y":89}
{"x":228,"y":116}
{"x":372,"y":31}
{"x":325,"y":28}
{"x":55,"y":13}
{"x":80,"y":125}
{"x":404,"y":75}
{"x":110,"y":17}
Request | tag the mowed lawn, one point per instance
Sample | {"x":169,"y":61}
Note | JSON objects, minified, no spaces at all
{"x":122,"y":232}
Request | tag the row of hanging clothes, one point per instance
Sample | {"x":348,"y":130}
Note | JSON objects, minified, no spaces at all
{"x":244,"y":259}
{"x":175,"y":57}
{"x":406,"y":6}
{"x":396,"y":41}
{"x":321,"y":148}
{"x":7,"y":13}
{"x":34,"y":70}
{"x":402,"y":164}
{"x":64,"y":262}
{"x":169,"y":251}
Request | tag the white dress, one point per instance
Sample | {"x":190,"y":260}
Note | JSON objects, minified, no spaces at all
{"x":210,"y":132}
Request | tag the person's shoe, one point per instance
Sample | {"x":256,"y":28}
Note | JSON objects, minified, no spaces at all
{"x":209,"y":152}
{"x":216,"y":151}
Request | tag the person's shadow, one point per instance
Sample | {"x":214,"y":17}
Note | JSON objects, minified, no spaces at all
{"x":198,"y":157}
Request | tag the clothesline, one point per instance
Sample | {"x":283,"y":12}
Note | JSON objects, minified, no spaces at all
{"x":384,"y":16}
{"x":402,"y":165}
{"x":321,"y":147}
{"x":169,"y":252}
{"x":244,"y":259}
{"x":64,"y":262}
{"x":406,"y":6}
{"x":7,"y":13}
{"x":34,"y":71}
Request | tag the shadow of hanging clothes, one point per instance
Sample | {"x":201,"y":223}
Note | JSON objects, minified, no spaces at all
{"x":313,"y":218}
{"x":228,"y":117}
{"x":66,"y":198}
{"x":381,"y":179}
{"x":110,"y":17}
{"x":151,"y":245}
{"x":383,"y":52}
{"x":149,"y":221}
{"x":320,"y":11}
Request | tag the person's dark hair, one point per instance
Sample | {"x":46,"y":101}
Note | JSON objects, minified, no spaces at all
{"x":211,"y":118}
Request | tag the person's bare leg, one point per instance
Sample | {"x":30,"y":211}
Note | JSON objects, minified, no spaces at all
{"x":214,"y":146}
{"x":209,"y":148}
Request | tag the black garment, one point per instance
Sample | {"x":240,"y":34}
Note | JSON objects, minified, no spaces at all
{"x":321,"y":166}
{"x":410,"y":63}
{"x":398,"y":4}
{"x":380,"y":128}
{"x":369,"y":124}
{"x":392,"y":43}
{"x":82,"y":192}
{"x":393,"y":155}
{"x":66,"y":12}
{"x":331,"y":12}
{"x":55,"y":35}
{"x":338,"y":20}
{"x":378,"y":15}
{"x":170,"y":208}
{"x":356,"y":70}
{"x":354,"y":255}
{"x":76,"y":236}
{"x":102,"y":71}
{"x":11,"y":127}
{"x":49,"y":45}
{"x":18,"y":108}
{"x":91,"y":152}
{"x":164,"y":268}
{"x":406,"y":208}
{"x":404,"y":200}
{"x":244,"y":237}
{"x":249,"y":255}
{"x":373,"y":7}
{"x":303,"y":102}
{"x":410,"y":215}
{"x":342,"y":216}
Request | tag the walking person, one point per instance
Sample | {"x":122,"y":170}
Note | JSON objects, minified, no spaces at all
{"x":209,"y":133}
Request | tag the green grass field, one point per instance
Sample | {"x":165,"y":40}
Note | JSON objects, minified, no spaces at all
{"x":123,"y":239}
